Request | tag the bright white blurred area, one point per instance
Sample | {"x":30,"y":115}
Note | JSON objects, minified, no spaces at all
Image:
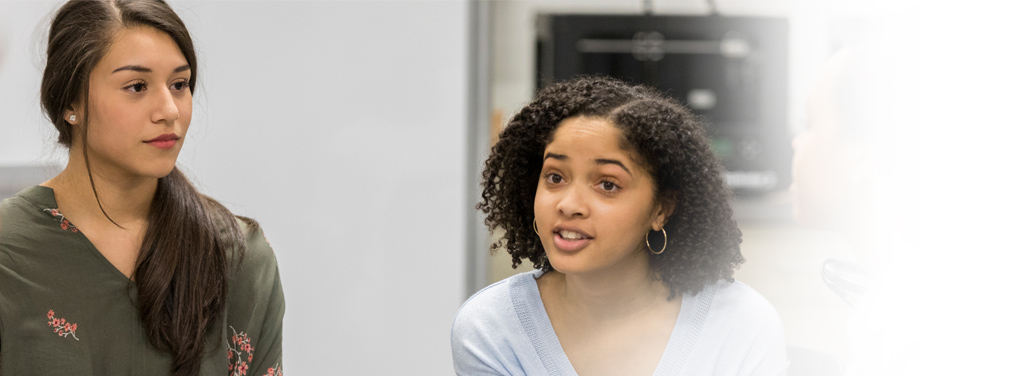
{"x":943,"y":85}
{"x":350,"y":130}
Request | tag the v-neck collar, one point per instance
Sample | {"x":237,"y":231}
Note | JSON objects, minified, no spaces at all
{"x":531,"y":313}
{"x":44,"y":198}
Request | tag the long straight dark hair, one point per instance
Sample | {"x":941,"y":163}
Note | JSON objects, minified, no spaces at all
{"x":182,"y":269}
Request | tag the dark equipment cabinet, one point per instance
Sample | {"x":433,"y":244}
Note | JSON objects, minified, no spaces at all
{"x":731,"y":71}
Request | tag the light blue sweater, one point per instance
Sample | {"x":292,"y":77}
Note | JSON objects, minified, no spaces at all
{"x":726,"y":329}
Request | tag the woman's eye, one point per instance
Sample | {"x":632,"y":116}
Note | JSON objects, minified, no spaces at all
{"x":180,"y":85}
{"x":608,"y":186}
{"x":554,"y":178}
{"x":136,"y":87}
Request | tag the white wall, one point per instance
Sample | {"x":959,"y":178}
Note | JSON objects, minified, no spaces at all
{"x":341,"y":127}
{"x":25,"y":138}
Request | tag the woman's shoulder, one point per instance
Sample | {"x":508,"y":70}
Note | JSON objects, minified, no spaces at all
{"x":6,"y":206}
{"x":258,"y":256}
{"x":487,"y":331}
{"x":27,"y":201}
{"x":27,"y":211}
{"x":488,"y":299}
{"x":493,"y":305}
{"x":739,"y":295}
{"x":741,"y":332}
{"x":253,"y":266}
{"x":256,"y":242}
{"x":255,"y":304}
{"x":739,"y":310}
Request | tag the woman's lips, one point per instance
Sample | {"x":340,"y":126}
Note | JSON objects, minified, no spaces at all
{"x":166,"y":141}
{"x":570,"y":245}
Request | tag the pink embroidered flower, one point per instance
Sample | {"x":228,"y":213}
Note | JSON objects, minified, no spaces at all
{"x":237,"y":345}
{"x":275,"y":371}
{"x":64,"y":223}
{"x":240,"y":347}
{"x":61,"y":326}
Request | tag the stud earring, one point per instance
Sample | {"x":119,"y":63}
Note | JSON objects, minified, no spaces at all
{"x":72,"y":118}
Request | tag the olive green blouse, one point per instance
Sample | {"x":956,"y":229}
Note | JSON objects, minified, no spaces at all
{"x":66,"y":310}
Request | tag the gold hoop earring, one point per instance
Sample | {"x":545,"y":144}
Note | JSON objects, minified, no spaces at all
{"x":663,"y":245}
{"x":535,"y":230}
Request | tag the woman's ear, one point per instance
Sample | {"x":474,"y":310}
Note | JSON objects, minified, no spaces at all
{"x":663,"y":209}
{"x":72,"y":116}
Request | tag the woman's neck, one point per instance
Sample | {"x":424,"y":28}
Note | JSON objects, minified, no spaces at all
{"x":126,"y":199}
{"x":610,"y":294}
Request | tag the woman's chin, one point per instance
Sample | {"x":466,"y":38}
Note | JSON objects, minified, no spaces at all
{"x":564,"y":266}
{"x":157,"y":172}
{"x":573,"y":266}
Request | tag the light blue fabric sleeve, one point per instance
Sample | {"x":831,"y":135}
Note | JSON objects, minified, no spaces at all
{"x":481,"y":334}
{"x":727,"y":330}
{"x":743,"y":336}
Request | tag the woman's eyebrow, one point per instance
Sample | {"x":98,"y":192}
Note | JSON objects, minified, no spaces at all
{"x":561,"y":157}
{"x":133,"y":68}
{"x":139,"y":68}
{"x":601,"y":161}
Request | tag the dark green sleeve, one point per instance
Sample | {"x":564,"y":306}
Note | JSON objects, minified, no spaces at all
{"x":3,"y":255}
{"x":255,"y":310}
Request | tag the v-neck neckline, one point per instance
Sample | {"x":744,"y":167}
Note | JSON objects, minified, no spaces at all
{"x":45,"y":197}
{"x":531,"y":312}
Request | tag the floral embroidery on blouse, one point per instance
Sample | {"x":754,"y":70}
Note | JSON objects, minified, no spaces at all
{"x":64,"y":223}
{"x":60,"y":326}
{"x":239,"y":343}
{"x":276,"y":371}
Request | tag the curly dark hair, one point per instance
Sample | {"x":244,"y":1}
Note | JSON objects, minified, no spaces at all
{"x":668,"y":141}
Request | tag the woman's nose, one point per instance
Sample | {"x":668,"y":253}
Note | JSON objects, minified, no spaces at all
{"x":166,"y":108}
{"x":573,"y":202}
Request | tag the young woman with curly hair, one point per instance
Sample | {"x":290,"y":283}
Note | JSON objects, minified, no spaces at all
{"x":118,"y":265}
{"x":612,"y":192}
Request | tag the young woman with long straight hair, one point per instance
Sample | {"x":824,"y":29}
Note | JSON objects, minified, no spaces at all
{"x":118,"y":266}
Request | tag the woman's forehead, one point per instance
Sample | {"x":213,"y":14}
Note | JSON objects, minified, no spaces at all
{"x":144,"y":47}
{"x":593,"y":139}
{"x":587,"y":135}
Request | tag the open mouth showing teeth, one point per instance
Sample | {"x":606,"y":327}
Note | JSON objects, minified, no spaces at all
{"x":569,"y":235}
